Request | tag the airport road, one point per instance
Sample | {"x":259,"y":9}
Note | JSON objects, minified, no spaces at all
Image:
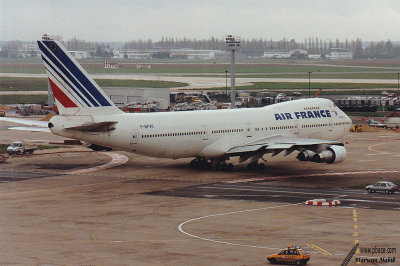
{"x":108,"y":217}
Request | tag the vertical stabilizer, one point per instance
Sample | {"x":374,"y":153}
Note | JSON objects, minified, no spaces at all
{"x":76,"y":93}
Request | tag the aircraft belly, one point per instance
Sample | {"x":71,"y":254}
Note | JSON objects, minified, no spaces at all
{"x":179,"y":148}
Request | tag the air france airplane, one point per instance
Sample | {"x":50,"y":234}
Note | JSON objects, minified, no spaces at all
{"x":308,"y":126}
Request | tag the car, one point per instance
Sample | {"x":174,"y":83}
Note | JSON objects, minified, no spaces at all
{"x":382,"y":186}
{"x":18,"y":147}
{"x":292,"y":254}
{"x":374,"y":123}
{"x":296,"y":93}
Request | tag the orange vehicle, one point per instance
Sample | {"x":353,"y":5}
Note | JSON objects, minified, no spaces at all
{"x":290,"y":255}
{"x":2,"y":112}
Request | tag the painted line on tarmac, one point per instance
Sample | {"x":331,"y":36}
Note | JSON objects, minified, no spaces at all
{"x":257,"y":179}
{"x":180,"y":227}
{"x":319,"y":249}
{"x":270,"y":190}
{"x":356,"y":236}
{"x":117,"y":159}
{"x":378,"y":144}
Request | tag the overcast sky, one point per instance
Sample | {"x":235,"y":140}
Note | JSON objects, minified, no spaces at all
{"x":123,"y":20}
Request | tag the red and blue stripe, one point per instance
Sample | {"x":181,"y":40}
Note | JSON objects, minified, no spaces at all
{"x":76,"y":80}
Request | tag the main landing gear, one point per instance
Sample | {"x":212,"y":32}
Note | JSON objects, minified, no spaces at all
{"x":219,"y":164}
{"x":255,"y":166}
{"x":206,"y":163}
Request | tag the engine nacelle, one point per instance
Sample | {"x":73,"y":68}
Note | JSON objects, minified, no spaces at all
{"x":306,"y":155}
{"x":333,"y":154}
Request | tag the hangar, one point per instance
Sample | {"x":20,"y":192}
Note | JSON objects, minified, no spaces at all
{"x":124,"y":96}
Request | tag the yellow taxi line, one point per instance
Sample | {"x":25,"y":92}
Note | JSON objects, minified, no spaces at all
{"x":319,"y":249}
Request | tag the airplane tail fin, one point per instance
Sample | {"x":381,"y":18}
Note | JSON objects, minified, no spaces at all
{"x":75,"y":92}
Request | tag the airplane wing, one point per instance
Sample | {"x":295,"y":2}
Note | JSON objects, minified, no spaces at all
{"x":310,"y":149}
{"x":277,"y":143}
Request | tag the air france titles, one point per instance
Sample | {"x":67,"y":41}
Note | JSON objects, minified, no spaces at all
{"x":303,"y":115}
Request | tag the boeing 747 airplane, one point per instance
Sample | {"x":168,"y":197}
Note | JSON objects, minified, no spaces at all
{"x":309,"y":126}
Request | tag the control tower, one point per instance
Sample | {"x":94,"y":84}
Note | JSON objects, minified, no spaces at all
{"x":232,"y":44}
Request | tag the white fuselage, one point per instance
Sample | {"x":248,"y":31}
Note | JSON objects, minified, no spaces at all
{"x":210,"y":133}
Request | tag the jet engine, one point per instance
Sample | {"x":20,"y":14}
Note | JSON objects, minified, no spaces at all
{"x":332,"y":154}
{"x":306,"y":155}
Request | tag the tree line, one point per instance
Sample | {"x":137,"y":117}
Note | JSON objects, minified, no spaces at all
{"x":256,"y":47}
{"x":249,"y":47}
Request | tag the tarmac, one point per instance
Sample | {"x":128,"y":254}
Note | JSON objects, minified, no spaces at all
{"x":151,"y":211}
{"x":207,"y":82}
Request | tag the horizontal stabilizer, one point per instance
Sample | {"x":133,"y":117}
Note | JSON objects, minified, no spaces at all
{"x":28,"y":122}
{"x":95,"y":127}
{"x":32,"y":129}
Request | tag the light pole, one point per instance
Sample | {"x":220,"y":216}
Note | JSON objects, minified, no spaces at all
{"x":226,"y":84}
{"x":398,"y":84}
{"x":309,"y":84}
{"x":232,"y":43}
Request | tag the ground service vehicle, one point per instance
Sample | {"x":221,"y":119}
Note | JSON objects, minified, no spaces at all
{"x":393,"y":122}
{"x":18,"y":147}
{"x":2,"y":112}
{"x":382,"y":186}
{"x":290,"y":255}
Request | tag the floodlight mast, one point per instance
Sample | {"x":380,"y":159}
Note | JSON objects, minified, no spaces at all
{"x":232,"y":44}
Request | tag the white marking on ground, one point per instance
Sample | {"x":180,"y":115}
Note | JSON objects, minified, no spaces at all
{"x":117,"y":159}
{"x":311,"y":175}
{"x":380,"y":201}
{"x":271,"y":190}
{"x":180,"y":227}
{"x":210,"y":238}
{"x":73,"y":154}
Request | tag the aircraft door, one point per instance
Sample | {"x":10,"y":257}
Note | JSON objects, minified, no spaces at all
{"x":296,"y":129}
{"x":331,"y":120}
{"x":249,"y":133}
{"x":135,"y":136}
{"x":204,"y":132}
